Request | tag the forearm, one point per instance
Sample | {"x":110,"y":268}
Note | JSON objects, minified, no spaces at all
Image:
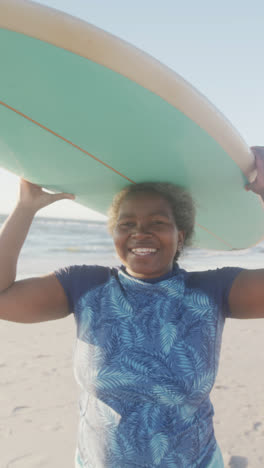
{"x":14,"y":231}
{"x":12,"y":237}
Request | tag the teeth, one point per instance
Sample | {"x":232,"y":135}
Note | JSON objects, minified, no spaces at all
{"x":143,"y":251}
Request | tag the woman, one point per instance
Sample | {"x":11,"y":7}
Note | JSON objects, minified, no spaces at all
{"x":148,"y":333}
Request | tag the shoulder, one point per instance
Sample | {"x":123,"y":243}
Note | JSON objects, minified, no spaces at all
{"x":216,"y":284}
{"x":93,"y":273}
{"x":210,"y":278}
{"x":78,"y":280}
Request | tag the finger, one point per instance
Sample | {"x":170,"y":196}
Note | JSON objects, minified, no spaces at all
{"x":259,"y":159}
{"x":250,"y":187}
{"x":258,"y":151}
{"x":26,"y":182}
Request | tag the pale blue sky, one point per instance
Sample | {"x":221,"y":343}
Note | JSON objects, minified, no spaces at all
{"x":216,"y":46}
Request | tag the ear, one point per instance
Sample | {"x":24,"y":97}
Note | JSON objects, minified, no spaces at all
{"x":181,"y":237}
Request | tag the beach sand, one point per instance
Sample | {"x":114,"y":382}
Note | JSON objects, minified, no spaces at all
{"x":238,"y":394}
{"x":39,"y":396}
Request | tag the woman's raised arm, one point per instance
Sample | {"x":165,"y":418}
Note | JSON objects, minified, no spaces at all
{"x":35,"y":299}
{"x":246,"y":299}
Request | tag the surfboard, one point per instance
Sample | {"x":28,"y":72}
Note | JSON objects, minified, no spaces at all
{"x":84,"y":112}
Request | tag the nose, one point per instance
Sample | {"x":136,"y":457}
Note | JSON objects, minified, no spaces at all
{"x":141,"y":230}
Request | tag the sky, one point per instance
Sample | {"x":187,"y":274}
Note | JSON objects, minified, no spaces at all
{"x":216,"y":46}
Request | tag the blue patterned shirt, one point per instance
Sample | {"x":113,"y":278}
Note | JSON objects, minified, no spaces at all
{"x":146,"y":359}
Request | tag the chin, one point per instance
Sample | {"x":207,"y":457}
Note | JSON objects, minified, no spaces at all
{"x":145,"y":272}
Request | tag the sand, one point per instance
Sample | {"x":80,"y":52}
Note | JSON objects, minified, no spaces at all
{"x":39,"y":396}
{"x":238,"y":394}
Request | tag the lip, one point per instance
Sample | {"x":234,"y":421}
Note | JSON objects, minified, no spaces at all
{"x":153,"y":247}
{"x":143,"y":251}
{"x":142,"y":246}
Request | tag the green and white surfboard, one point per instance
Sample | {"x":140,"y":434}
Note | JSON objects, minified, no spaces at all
{"x":84,"y":112}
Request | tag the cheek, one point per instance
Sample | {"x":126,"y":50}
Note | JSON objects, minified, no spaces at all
{"x":119,"y":240}
{"x":171,"y":238}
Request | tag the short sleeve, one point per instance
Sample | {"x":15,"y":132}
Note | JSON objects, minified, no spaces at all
{"x":77,"y":280}
{"x":226,"y":277}
{"x":217,"y":285}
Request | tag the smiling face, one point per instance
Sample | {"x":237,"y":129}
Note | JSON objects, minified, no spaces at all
{"x":146,"y":237}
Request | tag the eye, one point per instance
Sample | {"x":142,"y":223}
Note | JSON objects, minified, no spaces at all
{"x":126,"y":224}
{"x":158,"y":222}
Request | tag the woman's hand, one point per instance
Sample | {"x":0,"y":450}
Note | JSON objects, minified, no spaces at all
{"x":257,"y":186}
{"x":41,"y":299}
{"x":33,"y":197}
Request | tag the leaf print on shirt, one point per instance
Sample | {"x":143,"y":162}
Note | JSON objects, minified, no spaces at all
{"x":88,"y":360}
{"x":168,"y":335}
{"x":114,"y":300}
{"x":108,"y":379}
{"x":130,"y":334}
{"x":146,"y":364}
{"x":159,"y":447}
{"x":124,"y":447}
{"x":138,"y":367}
{"x":168,"y":395}
{"x":151,"y":416}
{"x":199,"y":309}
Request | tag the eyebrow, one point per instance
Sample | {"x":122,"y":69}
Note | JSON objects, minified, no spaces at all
{"x":155,"y":213}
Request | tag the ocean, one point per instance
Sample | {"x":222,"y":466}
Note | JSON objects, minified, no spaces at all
{"x":55,"y":243}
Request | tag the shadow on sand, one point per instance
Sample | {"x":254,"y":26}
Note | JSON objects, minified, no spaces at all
{"x":238,"y":462}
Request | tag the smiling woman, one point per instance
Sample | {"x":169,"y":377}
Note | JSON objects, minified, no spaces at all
{"x":150,"y":223}
{"x":148,"y":333}
{"x":179,"y":199}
